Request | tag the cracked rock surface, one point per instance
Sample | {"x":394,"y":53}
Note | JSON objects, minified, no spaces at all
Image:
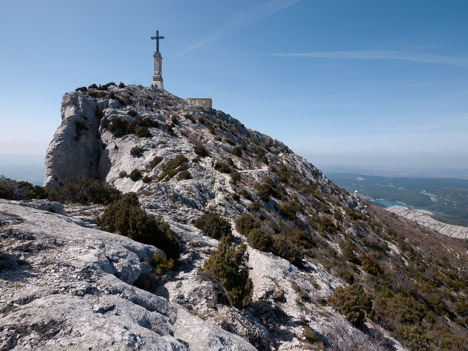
{"x":67,"y":287}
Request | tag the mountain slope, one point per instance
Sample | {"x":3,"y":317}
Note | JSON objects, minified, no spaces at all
{"x":183,"y":161}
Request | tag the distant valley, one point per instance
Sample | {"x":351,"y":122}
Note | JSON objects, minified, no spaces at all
{"x":446,"y":198}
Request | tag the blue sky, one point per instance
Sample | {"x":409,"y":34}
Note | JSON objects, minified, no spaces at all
{"x":352,"y":83}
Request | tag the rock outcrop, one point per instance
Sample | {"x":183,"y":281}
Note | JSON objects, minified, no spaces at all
{"x":424,"y":218}
{"x":183,"y":161}
{"x":66,"y":287}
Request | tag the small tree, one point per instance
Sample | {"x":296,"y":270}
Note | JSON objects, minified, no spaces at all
{"x":227,"y":269}
{"x":214,"y":225}
{"x":245,"y":223}
{"x":352,"y":302}
{"x":260,"y":240}
{"x":126,"y":217}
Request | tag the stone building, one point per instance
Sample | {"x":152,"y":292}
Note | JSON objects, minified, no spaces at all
{"x":201,"y":102}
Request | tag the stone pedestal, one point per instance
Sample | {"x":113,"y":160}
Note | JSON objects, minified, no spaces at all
{"x":157,"y":77}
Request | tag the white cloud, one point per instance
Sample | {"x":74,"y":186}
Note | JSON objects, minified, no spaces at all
{"x":381,"y":55}
{"x":241,"y":20}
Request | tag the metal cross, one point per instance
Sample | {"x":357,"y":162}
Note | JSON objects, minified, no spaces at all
{"x":157,"y":37}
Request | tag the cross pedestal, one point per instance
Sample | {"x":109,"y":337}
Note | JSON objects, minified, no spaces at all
{"x":157,"y":77}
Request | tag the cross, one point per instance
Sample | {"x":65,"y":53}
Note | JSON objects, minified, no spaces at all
{"x":157,"y":37}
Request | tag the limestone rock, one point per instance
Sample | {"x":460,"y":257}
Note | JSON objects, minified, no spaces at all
{"x":64,"y":286}
{"x":424,"y":218}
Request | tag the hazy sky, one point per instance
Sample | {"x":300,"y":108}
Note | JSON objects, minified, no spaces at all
{"x":376,"y":83}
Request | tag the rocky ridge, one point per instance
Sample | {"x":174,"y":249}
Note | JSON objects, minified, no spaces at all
{"x":182,"y":161}
{"x":424,"y":218}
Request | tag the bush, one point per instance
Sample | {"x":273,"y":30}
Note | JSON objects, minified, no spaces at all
{"x":155,"y":161}
{"x":121,"y":85}
{"x":371,"y":266}
{"x":125,"y":217}
{"x":352,"y":302}
{"x":222,"y":167}
{"x":174,"y":119}
{"x":413,"y":338}
{"x":200,"y":150}
{"x":84,"y":191}
{"x":245,"y":223}
{"x":137,"y":151}
{"x":143,"y":132}
{"x":269,"y":188}
{"x":235,"y":176}
{"x":288,"y":210}
{"x":147,"y":179}
{"x":237,"y":151}
{"x":174,"y":166}
{"x":184,"y":175}
{"x":161,"y":264}
{"x":260,"y":240}
{"x":135,"y":175}
{"x":213,"y":225}
{"x":227,"y":269}
{"x":132,"y":113}
{"x":12,"y":190}
{"x":80,"y":126}
{"x":285,"y":248}
{"x":123,"y":174}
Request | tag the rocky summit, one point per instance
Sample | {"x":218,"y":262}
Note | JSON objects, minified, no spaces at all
{"x":326,"y":271}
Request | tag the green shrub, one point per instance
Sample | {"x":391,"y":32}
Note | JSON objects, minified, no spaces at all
{"x":309,"y":334}
{"x":147,"y":179}
{"x":200,"y":150}
{"x":352,"y":302}
{"x":370,"y":265}
{"x":223,"y":167}
{"x":412,"y":337}
{"x":235,"y":176}
{"x":189,"y":117}
{"x":348,"y":253}
{"x":285,"y":248}
{"x":123,"y":174}
{"x":93,"y":86}
{"x":161,"y":264}
{"x":125,"y":217}
{"x":121,"y":85}
{"x":80,"y":126}
{"x":237,"y":151}
{"x":137,"y":151}
{"x":174,"y":119}
{"x":213,"y":225}
{"x":82,"y":89}
{"x":184,"y":175}
{"x":168,"y":129}
{"x":84,"y":191}
{"x":135,"y":175}
{"x":227,"y":269}
{"x":245,"y":223}
{"x":201,"y":120}
{"x":13,"y":190}
{"x":143,"y":132}
{"x":288,"y":210}
{"x":174,"y":166}
{"x":155,"y":161}
{"x":132,"y":113}
{"x":269,"y":188}
{"x":260,"y":240}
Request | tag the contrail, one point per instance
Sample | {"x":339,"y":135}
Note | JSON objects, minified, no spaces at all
{"x":239,"y":21}
{"x":381,"y":55}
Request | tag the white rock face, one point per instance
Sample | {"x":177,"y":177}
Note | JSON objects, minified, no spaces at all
{"x":424,"y":218}
{"x":66,"y":287}
{"x":225,"y":180}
